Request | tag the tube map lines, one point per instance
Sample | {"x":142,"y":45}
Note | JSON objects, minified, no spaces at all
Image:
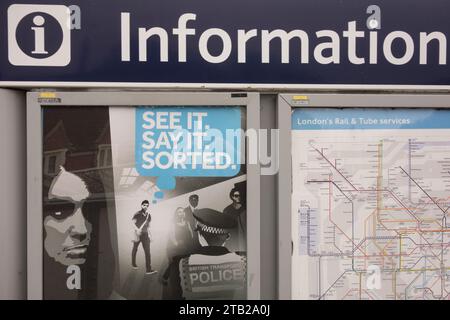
{"x":371,"y":204}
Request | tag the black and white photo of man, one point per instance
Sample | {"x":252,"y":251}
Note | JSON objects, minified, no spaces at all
{"x":67,"y":230}
{"x":141,"y":225}
{"x":78,"y":207}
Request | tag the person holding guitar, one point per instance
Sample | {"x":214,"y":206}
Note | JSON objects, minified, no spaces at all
{"x":141,"y":224}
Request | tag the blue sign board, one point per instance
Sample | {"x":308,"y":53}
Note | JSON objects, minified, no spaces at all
{"x":233,"y":42}
{"x":187,"y":142}
{"x":367,"y":119}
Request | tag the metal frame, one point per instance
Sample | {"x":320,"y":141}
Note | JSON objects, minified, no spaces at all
{"x":223,"y":86}
{"x":284,"y":110}
{"x":34,"y":168}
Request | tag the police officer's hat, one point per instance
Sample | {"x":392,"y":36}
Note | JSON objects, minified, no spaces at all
{"x":212,"y":221}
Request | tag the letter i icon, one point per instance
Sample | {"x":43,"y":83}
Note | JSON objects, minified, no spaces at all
{"x":39,"y":35}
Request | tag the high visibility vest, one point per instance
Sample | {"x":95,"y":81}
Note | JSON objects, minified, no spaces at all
{"x":213,"y":277}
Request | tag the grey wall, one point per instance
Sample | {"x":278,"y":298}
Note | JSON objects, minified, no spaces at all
{"x":13,"y":197}
{"x":268,"y":211}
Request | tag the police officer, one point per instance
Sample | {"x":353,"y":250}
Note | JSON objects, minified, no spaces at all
{"x":211,"y":271}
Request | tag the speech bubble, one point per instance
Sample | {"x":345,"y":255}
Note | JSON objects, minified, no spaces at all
{"x":187,"y":141}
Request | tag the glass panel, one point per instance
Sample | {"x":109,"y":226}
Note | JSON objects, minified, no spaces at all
{"x":115,"y":227}
{"x":370,"y":203}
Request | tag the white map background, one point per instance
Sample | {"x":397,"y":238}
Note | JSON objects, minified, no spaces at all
{"x":369,"y":214}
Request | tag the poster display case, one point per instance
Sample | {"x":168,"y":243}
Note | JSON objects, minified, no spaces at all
{"x":142,"y":196}
{"x":364,"y":189}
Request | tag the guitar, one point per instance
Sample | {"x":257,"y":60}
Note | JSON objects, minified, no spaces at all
{"x":138,"y":232}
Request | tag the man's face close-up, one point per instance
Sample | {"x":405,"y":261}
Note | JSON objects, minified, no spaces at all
{"x":194,"y":202}
{"x":144,"y":206}
{"x":67,"y":231}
